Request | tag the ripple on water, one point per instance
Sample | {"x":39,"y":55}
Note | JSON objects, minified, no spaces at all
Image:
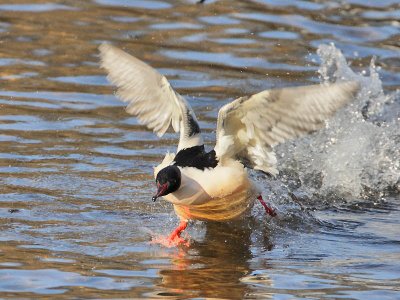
{"x":279,"y":35}
{"x":306,"y":5}
{"x":76,"y":171}
{"x":84,"y":80}
{"x":35,"y":8}
{"x":148,"y":4}
{"x":49,"y":281}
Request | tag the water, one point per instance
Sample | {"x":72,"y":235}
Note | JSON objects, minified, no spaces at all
{"x":76,"y":215}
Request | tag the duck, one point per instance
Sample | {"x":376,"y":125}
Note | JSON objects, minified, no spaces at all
{"x":215,"y":185}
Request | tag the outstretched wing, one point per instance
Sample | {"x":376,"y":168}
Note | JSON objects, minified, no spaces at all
{"x":150,"y":97}
{"x":249,"y":127}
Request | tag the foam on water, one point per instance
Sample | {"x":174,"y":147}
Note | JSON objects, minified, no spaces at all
{"x":357,"y":155}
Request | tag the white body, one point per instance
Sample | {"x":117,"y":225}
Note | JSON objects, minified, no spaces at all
{"x":220,"y":194}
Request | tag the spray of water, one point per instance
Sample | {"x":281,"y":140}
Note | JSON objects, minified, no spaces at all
{"x":357,"y":155}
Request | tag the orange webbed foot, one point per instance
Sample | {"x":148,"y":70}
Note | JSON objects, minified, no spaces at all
{"x":167,"y":242}
{"x":177,"y":241}
{"x":174,"y":239}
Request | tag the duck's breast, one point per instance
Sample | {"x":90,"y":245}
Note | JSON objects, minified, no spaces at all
{"x":227,"y":208}
{"x":218,"y":194}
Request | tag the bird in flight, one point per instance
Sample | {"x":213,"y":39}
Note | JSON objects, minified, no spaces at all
{"x":215,"y":185}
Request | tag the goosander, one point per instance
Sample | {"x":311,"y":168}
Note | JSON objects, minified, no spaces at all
{"x":215,"y":185}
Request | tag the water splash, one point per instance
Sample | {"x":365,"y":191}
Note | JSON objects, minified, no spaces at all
{"x":357,"y":155}
{"x":164,"y":241}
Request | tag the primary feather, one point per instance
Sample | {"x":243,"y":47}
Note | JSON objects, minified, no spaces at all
{"x":150,"y":96}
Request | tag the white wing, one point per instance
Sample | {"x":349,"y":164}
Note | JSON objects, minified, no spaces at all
{"x":150,"y":97}
{"x":249,"y":127}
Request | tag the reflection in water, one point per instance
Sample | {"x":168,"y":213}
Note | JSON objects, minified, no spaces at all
{"x":75,"y":169}
{"x":214,"y":265}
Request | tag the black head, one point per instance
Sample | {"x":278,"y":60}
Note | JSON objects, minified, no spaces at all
{"x":168,"y":181}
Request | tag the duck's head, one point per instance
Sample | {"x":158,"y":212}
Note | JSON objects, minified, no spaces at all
{"x":168,"y":181}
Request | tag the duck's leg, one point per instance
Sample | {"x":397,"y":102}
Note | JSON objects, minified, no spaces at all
{"x":268,"y":209}
{"x":175,"y":236}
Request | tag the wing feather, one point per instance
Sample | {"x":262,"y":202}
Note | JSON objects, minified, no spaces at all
{"x":256,"y":124}
{"x":150,"y":96}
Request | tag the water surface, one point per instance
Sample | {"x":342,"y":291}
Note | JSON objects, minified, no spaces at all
{"x":76,"y":215}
